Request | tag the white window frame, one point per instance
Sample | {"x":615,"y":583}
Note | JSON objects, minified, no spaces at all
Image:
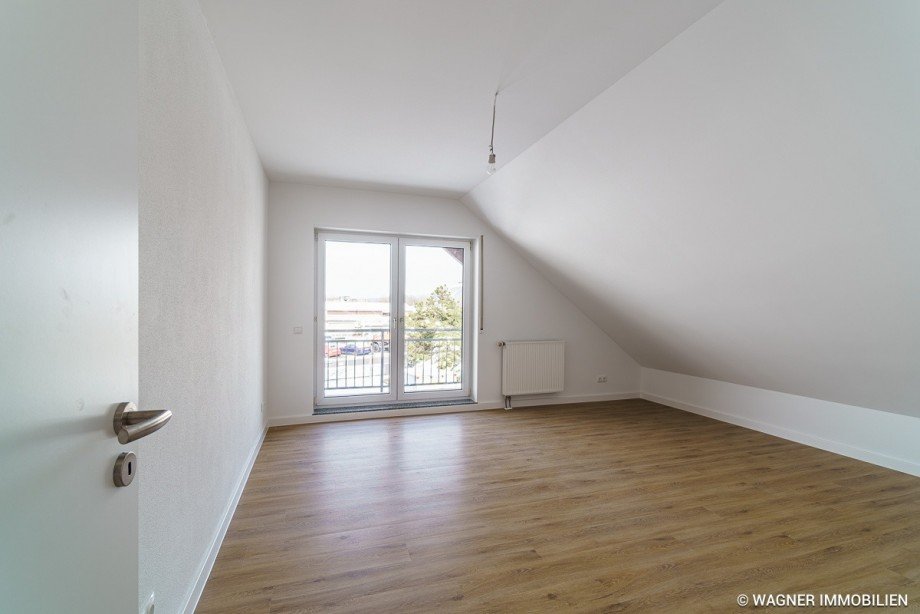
{"x":467,"y":303}
{"x":398,"y":244}
{"x":319,"y":336}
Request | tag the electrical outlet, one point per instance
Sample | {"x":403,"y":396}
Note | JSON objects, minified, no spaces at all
{"x":601,"y":379}
{"x":298,"y":330}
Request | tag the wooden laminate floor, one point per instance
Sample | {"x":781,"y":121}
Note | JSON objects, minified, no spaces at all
{"x":621,"y":506}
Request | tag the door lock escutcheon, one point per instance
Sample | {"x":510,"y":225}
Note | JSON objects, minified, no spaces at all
{"x":125,"y":469}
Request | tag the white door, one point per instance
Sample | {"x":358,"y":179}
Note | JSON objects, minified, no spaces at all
{"x":356,"y":318}
{"x":435,"y":319}
{"x":68,"y":304}
{"x":393,"y":319}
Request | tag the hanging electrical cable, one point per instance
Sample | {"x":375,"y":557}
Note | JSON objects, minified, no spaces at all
{"x":491,"y":168}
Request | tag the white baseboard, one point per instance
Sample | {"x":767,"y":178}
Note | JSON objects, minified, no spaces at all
{"x":519,"y":402}
{"x":537,"y":401}
{"x":204,"y":570}
{"x":815,"y":441}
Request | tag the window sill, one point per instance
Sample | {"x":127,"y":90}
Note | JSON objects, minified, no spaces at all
{"x":350,"y":409}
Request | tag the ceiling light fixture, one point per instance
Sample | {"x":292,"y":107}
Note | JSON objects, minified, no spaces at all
{"x":492,"y":168}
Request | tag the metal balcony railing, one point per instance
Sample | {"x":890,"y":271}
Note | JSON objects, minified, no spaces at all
{"x":358,"y":360}
{"x":433,"y":357}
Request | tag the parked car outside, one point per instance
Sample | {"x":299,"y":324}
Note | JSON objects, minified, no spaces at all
{"x":332,"y":351}
{"x":351,"y":348}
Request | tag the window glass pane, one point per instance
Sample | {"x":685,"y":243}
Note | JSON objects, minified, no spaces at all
{"x":357,"y":319}
{"x":433,"y":330}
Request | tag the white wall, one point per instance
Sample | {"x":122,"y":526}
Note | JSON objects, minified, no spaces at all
{"x":745,"y":202}
{"x":878,"y":437}
{"x":202,"y":217}
{"x":519,"y":303}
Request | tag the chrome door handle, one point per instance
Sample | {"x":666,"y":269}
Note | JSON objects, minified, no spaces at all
{"x":131,"y":424}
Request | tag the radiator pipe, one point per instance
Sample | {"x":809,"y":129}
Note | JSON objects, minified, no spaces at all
{"x":501,"y":344}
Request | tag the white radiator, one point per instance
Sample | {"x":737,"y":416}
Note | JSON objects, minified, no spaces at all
{"x":532,"y":367}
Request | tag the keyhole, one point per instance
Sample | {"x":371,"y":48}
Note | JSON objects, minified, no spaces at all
{"x":129,"y":468}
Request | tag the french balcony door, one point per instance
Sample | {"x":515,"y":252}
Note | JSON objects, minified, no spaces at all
{"x":393,"y":319}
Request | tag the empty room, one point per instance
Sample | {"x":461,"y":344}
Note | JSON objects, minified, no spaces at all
{"x":411,"y":306}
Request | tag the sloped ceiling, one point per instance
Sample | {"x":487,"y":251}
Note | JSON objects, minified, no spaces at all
{"x":745,"y":205}
{"x":397,"y":94}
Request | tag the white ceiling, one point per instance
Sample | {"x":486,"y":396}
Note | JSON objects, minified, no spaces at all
{"x":398,"y":94}
{"x":744,"y":205}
